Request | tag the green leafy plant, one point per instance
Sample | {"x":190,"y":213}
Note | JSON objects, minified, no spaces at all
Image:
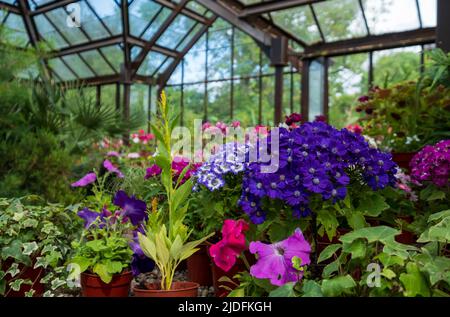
{"x":165,"y":241}
{"x":35,"y":235}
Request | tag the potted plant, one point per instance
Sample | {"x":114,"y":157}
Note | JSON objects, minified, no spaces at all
{"x":166,"y":237}
{"x":34,"y":240}
{"x":107,"y":255}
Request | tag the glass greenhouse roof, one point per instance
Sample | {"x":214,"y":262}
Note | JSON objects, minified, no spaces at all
{"x":148,"y":38}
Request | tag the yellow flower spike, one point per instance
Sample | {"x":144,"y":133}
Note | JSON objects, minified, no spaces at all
{"x":154,"y":204}
{"x":163,"y":101}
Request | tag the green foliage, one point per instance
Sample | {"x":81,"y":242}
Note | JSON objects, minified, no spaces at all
{"x":166,"y":237}
{"x":35,"y":234}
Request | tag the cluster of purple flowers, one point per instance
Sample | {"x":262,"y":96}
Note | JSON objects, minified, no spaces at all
{"x":432,"y":164}
{"x":231,"y":158}
{"x":314,"y":158}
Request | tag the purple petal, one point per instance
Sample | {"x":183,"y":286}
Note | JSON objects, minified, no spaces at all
{"x":88,"y":216}
{"x":111,"y":168}
{"x":133,"y":208}
{"x":85,"y":180}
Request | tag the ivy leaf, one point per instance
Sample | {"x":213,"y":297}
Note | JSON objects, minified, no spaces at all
{"x":287,"y":290}
{"x":30,"y":247}
{"x":14,"y":250}
{"x":388,"y":273}
{"x":389,"y":260}
{"x":277,"y":232}
{"x":30,"y":223}
{"x":48,"y":294}
{"x":13,"y":270}
{"x":436,"y":195}
{"x":331,"y":268}
{"x":30,"y":293}
{"x":328,"y":252}
{"x":311,"y":289}
{"x":47,"y":278}
{"x":17,"y":284}
{"x":414,"y":282}
{"x":56,"y":283}
{"x":338,"y":286}
{"x":356,"y":219}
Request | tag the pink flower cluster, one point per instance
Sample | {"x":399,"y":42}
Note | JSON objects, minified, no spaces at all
{"x":178,"y":165}
{"x":355,"y":128}
{"x":142,"y":137}
{"x":220,"y":125}
{"x":432,"y":164}
{"x":226,"y":251}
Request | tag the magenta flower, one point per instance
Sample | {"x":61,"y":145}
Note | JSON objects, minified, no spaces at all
{"x":432,"y":164}
{"x":236,"y":124}
{"x":153,"y":171}
{"x":111,"y":168}
{"x":363,"y":99}
{"x":293,"y":118}
{"x":206,"y":125}
{"x":225,"y":252}
{"x":275,"y":261}
{"x":85,"y":180}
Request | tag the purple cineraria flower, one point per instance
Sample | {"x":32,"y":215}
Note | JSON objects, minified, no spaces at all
{"x":88,"y":216}
{"x":140,"y":263}
{"x":85,"y":180}
{"x":316,"y":159}
{"x":113,"y":169}
{"x":133,"y":208}
{"x":275,"y":261}
{"x":153,"y":171}
{"x":432,"y":164}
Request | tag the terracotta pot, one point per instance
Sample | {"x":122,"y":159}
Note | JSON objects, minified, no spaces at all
{"x":179,"y":289}
{"x":26,"y":273}
{"x":403,"y":159}
{"x":93,"y":286}
{"x":199,"y":267}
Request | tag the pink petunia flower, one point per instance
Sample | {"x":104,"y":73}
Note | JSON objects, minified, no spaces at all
{"x":226,"y":251}
{"x":275,"y":260}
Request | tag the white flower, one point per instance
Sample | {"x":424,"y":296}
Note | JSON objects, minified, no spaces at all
{"x":133,"y":155}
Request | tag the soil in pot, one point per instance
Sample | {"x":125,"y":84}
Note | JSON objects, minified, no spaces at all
{"x":179,"y":289}
{"x":199,"y":267}
{"x":93,"y":286}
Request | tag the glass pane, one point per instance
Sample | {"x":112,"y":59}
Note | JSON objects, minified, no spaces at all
{"x":268,"y":98}
{"x":246,"y":101}
{"x":61,"y":70}
{"x":49,"y":33}
{"x":139,"y":102}
{"x":91,"y":24}
{"x":298,"y":21}
{"x":219,"y":101}
{"x":114,"y":54}
{"x":193,"y":103}
{"x":175,"y":32}
{"x":188,"y":38}
{"x":340,"y":19}
{"x":157,"y":23}
{"x":15,"y":30}
{"x":78,"y":66}
{"x":194,"y":66}
{"x":316,"y":89}
{"x":385,"y":16}
{"x":97,"y":62}
{"x":108,"y":96}
{"x":154,"y":62}
{"x":348,"y":79}
{"x":35,"y":3}
{"x":396,"y":65}
{"x":59,"y":18}
{"x":246,"y":59}
{"x":428,"y":10}
{"x":135,"y":50}
{"x":109,"y":12}
{"x":141,"y":13}
{"x":219,"y":63}
{"x":175,"y":79}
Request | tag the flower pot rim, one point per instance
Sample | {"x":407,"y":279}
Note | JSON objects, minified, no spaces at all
{"x":123,"y":273}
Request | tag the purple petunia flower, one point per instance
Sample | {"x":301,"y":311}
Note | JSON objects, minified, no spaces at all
{"x":88,"y":216}
{"x":85,"y":180}
{"x":275,"y":260}
{"x":113,"y":169}
{"x":432,"y":164}
{"x":132,"y":207}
